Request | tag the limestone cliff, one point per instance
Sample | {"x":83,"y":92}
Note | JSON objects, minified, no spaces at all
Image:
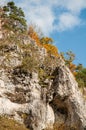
{"x":37,"y":89}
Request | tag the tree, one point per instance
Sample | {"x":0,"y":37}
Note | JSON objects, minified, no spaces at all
{"x":46,"y":40}
{"x":81,"y":77}
{"x":33,"y":34}
{"x":15,"y":19}
{"x":69,"y":58}
{"x":79,"y":67}
{"x":47,"y":43}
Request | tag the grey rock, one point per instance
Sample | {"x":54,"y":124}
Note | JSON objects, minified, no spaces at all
{"x":59,"y":102}
{"x":68,"y":97}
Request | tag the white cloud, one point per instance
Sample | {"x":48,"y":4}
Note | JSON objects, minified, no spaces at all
{"x":45,"y":13}
{"x":43,"y":17}
{"x":3,"y":2}
{"x":40,"y":14}
{"x":73,"y":5}
{"x":67,"y":21}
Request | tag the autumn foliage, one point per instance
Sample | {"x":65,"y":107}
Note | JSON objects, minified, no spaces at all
{"x":45,"y":42}
{"x":72,"y":67}
{"x":51,"y":49}
{"x":33,"y":34}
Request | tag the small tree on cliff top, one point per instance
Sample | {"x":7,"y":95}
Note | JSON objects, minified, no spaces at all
{"x":15,"y":18}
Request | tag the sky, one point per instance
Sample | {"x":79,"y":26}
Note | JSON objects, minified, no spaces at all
{"x":63,"y":20}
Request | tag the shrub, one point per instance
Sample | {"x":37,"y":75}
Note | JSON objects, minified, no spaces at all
{"x":47,"y":44}
{"x":14,"y":18}
{"x":33,"y":34}
{"x":81,"y":77}
{"x":30,"y":64}
{"x":51,"y":49}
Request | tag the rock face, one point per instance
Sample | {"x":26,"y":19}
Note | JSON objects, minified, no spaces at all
{"x":25,"y":102}
{"x":68,"y":99}
{"x":23,"y":98}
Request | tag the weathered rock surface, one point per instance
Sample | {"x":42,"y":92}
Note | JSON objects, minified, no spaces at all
{"x":23,"y":98}
{"x":68,"y":99}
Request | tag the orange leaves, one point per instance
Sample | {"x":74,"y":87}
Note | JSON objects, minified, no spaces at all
{"x":43,"y":42}
{"x":72,"y":67}
{"x":34,"y":35}
{"x":51,"y":49}
{"x":47,"y":44}
{"x":46,"y":40}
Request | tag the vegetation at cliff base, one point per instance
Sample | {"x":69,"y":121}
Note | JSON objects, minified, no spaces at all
{"x":9,"y":124}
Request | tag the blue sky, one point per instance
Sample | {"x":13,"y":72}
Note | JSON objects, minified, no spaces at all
{"x":63,"y":20}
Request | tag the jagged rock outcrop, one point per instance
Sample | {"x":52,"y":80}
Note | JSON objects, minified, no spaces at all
{"x":25,"y":99}
{"x":67,"y":99}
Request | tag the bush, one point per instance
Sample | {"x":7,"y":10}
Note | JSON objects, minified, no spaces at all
{"x":47,"y":44}
{"x":81,"y":77}
{"x":30,"y":64}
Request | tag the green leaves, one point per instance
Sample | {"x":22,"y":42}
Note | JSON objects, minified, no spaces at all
{"x":15,"y":17}
{"x":81,"y":77}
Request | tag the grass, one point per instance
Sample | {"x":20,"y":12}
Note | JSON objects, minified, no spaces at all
{"x":62,"y":126}
{"x":9,"y":124}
